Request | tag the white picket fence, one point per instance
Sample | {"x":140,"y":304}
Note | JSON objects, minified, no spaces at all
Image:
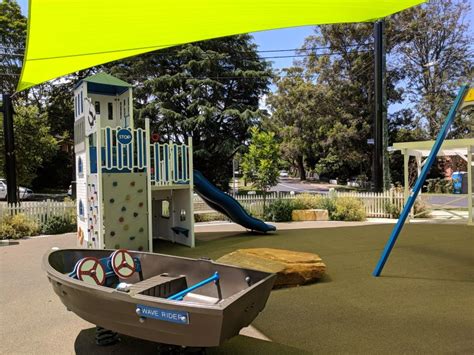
{"x":40,"y":210}
{"x":374,"y":203}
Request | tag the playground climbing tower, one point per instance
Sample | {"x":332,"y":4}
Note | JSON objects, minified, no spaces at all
{"x":131,"y":187}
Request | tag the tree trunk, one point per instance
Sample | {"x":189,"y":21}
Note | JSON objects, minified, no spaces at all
{"x":301,"y":170}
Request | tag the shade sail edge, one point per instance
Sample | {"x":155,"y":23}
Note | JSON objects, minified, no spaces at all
{"x":89,"y":40}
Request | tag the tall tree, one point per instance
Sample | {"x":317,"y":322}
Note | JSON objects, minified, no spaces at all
{"x":336,"y":97}
{"x":208,"y":90}
{"x":436,"y":56}
{"x":12,"y":44}
{"x":260,"y":163}
{"x":295,"y":110}
{"x":33,"y":142}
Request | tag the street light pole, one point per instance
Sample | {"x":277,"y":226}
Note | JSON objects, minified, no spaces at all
{"x":380,"y":106}
{"x":10,"y":157}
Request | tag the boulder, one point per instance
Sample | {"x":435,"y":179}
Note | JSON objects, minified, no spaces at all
{"x":292,"y":268}
{"x":310,"y":215}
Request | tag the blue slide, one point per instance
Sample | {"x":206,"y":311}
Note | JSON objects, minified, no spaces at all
{"x":227,"y":205}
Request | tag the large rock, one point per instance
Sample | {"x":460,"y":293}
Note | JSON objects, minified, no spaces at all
{"x":310,"y":215}
{"x":292,"y":268}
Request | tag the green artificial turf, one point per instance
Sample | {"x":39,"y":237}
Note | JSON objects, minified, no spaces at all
{"x":423,"y":302}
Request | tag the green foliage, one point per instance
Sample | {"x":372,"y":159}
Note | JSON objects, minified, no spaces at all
{"x":348,"y":209}
{"x":392,"y":209}
{"x":58,"y":225}
{"x":435,"y":56}
{"x":339,"y":209}
{"x":308,"y":201}
{"x":279,"y":210}
{"x":33,"y":142}
{"x":209,"y":217}
{"x":17,"y":226}
{"x":209,"y":90}
{"x":12,"y":41}
{"x":260,"y":163}
{"x":421,"y":210}
{"x":440,"y":186}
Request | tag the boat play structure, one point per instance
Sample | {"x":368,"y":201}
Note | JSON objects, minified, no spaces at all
{"x":131,"y":186}
{"x":161,"y":298}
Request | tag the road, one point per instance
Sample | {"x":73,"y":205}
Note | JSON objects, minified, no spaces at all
{"x":288,"y":184}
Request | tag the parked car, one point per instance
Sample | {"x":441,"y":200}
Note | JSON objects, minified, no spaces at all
{"x":284,"y":174}
{"x":24,"y":192}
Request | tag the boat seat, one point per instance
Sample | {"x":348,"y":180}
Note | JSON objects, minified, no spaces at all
{"x":161,"y":285}
{"x":181,"y":230}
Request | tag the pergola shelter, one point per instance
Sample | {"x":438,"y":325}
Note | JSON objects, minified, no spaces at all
{"x":463,"y":148}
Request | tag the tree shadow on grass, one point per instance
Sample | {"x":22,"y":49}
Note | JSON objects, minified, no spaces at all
{"x":85,"y":344}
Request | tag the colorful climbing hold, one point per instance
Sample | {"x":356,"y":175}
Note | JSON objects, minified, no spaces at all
{"x":117,"y":246}
{"x":125,"y":227}
{"x":132,"y":238}
{"x":132,"y":183}
{"x":140,"y":248}
{"x":121,"y":219}
{"x":112,"y":234}
{"x":115,"y":183}
{"x":127,"y":198}
{"x":135,"y":214}
{"x":141,"y":230}
{"x":124,"y":209}
{"x":140,"y":190}
{"x":140,"y":204}
{"x":112,"y":200}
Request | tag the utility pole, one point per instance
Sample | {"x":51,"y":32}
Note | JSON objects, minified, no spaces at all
{"x":380,"y":106}
{"x":10,"y":158}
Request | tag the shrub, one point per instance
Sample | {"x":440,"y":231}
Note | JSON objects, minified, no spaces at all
{"x":348,"y":209}
{"x":279,"y":210}
{"x":58,"y":225}
{"x":18,"y":226}
{"x":421,"y":210}
{"x":308,"y":201}
{"x":393,"y":210}
{"x":439,"y":186}
{"x":209,"y":217}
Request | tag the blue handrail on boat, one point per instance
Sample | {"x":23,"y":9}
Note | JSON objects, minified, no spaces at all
{"x":180,"y":295}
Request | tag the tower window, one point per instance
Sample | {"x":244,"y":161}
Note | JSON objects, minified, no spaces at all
{"x":110,"y":108}
{"x":81,"y":103}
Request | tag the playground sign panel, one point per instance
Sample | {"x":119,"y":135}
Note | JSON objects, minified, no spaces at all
{"x":124,"y":136}
{"x":163,"y":314}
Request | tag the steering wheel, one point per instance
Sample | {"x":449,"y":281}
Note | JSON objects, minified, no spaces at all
{"x":91,"y":271}
{"x":123,"y":263}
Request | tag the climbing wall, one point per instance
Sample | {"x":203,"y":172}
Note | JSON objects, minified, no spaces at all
{"x":125,"y":211}
{"x":91,"y":237}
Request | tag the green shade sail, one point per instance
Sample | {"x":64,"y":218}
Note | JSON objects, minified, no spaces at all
{"x":66,"y":36}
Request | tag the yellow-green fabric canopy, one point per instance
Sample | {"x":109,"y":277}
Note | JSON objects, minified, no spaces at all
{"x":68,"y":35}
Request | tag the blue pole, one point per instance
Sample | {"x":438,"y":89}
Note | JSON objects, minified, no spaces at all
{"x":421,"y":179}
{"x":179,"y":296}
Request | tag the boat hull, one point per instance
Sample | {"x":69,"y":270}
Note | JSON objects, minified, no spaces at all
{"x":207,"y":324}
